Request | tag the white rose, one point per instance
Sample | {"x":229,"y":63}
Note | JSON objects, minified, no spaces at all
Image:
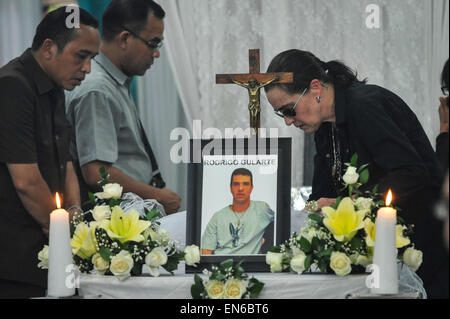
{"x":163,"y":236}
{"x":413,"y":258}
{"x":192,"y":255}
{"x":111,"y":190}
{"x":121,"y":265}
{"x":350,"y":177}
{"x":296,"y":251}
{"x":215,"y":289}
{"x":275,"y":261}
{"x":363,"y":203}
{"x":234,"y":288}
{"x":100,"y":264}
{"x":101,"y":212}
{"x":157,"y":257}
{"x":340,"y":263}
{"x":43,"y":257}
{"x":298,"y":263}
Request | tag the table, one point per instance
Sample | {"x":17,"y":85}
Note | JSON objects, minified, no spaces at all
{"x":277,"y":286}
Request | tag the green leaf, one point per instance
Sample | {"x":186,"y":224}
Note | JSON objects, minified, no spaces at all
{"x":364,"y":177}
{"x":361,"y":168}
{"x":171,"y":265}
{"x":137,"y":269}
{"x":305,"y":245}
{"x":255,"y":287}
{"x":326,"y":252}
{"x":356,"y":243}
{"x":91,"y":197}
{"x":113,"y":202}
{"x":316,"y":217}
{"x":308,"y":262}
{"x":152,"y":214}
{"x":227,"y":263}
{"x":196,"y":291}
{"x":354,"y":160}
{"x":218,"y":277}
{"x":315,"y":243}
{"x":275,"y":249}
{"x":375,"y":189}
{"x":322,"y":265}
{"x":198,"y":281}
{"x":105,"y":253}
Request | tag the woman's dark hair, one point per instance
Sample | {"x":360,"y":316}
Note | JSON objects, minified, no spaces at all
{"x":444,"y":78}
{"x":306,"y":67}
{"x":131,"y":14}
{"x":54,"y":27}
{"x":241,"y":171}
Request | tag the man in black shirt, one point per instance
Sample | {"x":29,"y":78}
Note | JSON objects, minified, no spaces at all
{"x":34,"y":146}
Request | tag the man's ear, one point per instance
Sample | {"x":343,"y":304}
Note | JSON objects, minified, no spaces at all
{"x":122,"y":39}
{"x":49,"y":49}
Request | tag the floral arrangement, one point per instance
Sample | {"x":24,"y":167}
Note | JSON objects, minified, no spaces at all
{"x":341,"y":240}
{"x":118,"y":243}
{"x":226,"y":281}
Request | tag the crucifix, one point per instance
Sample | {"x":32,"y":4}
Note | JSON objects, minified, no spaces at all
{"x":253,"y":82}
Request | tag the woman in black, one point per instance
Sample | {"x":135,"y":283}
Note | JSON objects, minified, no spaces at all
{"x":349,"y":116}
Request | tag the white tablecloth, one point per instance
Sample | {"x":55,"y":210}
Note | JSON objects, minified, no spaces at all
{"x":277,"y":286}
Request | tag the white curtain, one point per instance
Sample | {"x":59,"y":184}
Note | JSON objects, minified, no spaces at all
{"x":18,"y":22}
{"x":203,"y":38}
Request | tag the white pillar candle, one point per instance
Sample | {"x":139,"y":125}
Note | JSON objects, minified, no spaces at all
{"x":60,"y":254}
{"x":385,"y":255}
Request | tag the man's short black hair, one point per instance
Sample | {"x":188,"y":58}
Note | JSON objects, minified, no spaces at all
{"x":131,"y":14}
{"x":241,"y":171}
{"x":54,"y":27}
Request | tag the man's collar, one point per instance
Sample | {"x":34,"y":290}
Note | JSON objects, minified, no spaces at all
{"x":41,"y":79}
{"x":112,"y":70}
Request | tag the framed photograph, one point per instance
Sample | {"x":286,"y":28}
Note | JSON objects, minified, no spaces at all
{"x":238,"y":199}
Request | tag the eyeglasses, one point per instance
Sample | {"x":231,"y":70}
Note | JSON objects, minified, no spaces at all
{"x":285,"y":111}
{"x":152,"y":44}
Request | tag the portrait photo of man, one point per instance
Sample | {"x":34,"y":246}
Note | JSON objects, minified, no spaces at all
{"x":244,"y":227}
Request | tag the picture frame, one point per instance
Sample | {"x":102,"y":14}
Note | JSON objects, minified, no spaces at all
{"x":209,"y":177}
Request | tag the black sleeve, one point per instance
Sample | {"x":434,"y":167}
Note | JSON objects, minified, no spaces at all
{"x":395,"y":140}
{"x":442,"y":150}
{"x":17,"y":142}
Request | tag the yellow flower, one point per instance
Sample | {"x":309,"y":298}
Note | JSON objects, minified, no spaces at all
{"x":83,"y":241}
{"x":344,"y":222}
{"x":234,"y":289}
{"x":401,"y":241}
{"x":215,"y":289}
{"x":371,"y":230}
{"x":125,"y":227}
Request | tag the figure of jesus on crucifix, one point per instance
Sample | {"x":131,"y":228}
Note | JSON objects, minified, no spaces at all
{"x":253,"y":82}
{"x":254,"y":106}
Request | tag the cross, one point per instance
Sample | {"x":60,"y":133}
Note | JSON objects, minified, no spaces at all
{"x":253,"y":82}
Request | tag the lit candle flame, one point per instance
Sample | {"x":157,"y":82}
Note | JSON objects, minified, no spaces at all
{"x":58,"y":201}
{"x":389,"y":198}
